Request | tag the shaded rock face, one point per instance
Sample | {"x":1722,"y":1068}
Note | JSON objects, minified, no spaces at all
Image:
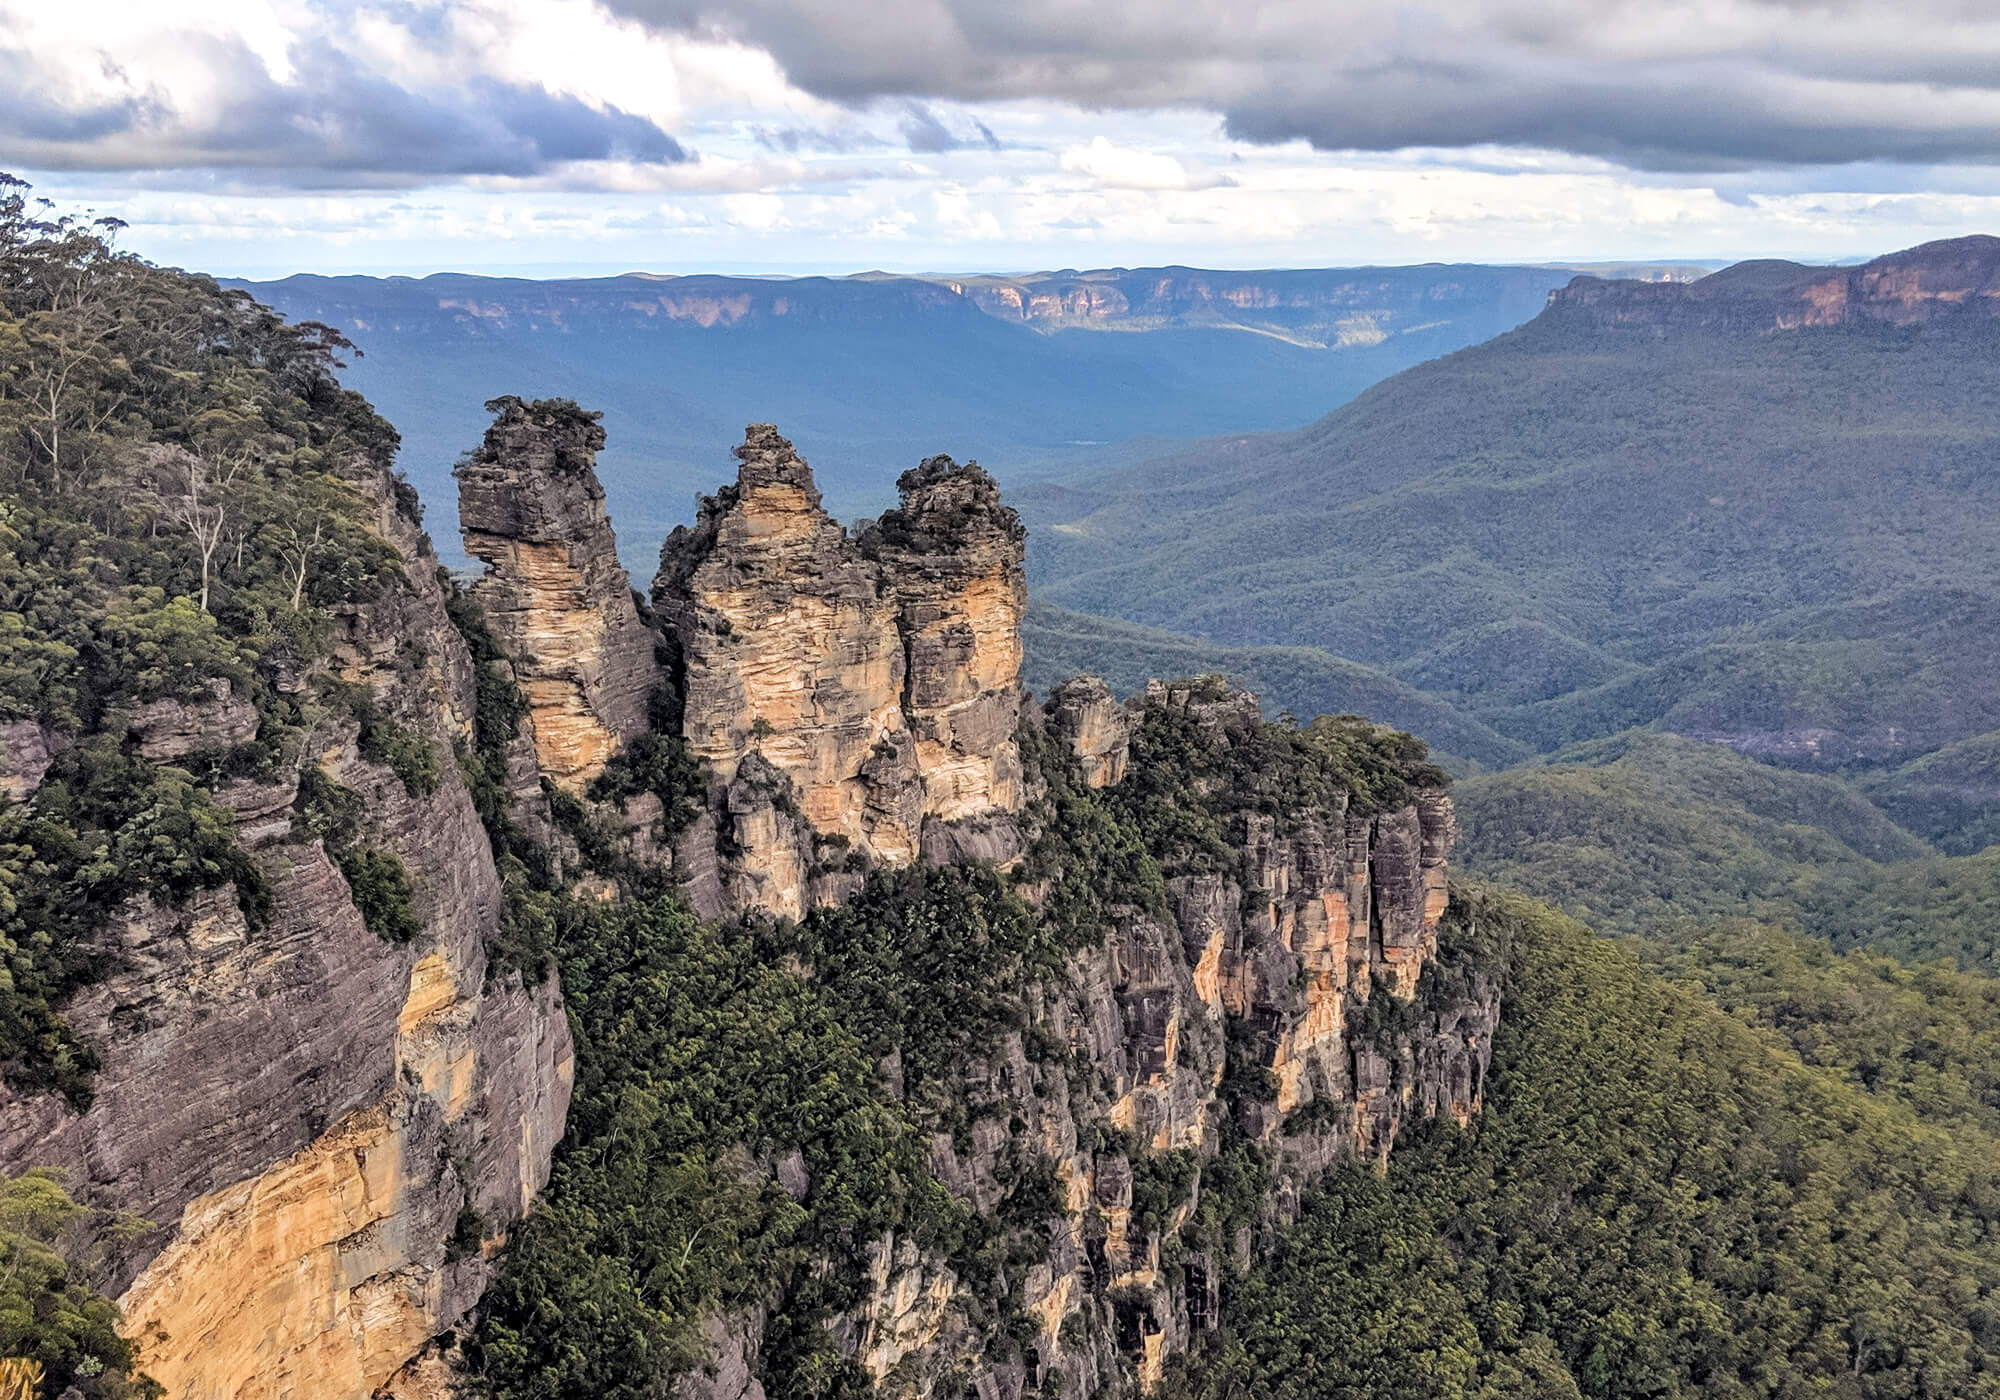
{"x":304,"y":1109}
{"x":1329,"y":911}
{"x":1312,"y":954}
{"x":530,"y":507}
{"x":1084,"y":714}
{"x":845,"y":694}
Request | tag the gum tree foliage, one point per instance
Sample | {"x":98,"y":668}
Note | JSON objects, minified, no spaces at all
{"x":53,"y":1311}
{"x":1656,"y":1200}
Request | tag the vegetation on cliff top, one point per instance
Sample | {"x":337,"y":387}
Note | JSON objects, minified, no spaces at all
{"x":181,"y":518}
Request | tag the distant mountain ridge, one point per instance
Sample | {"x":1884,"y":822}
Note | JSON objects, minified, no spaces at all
{"x":1322,"y":308}
{"x":1756,"y":509}
{"x":1916,"y":286}
{"x":872,"y":371}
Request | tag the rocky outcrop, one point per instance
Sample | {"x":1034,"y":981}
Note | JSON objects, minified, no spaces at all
{"x":332,"y":1132}
{"x":530,"y":507}
{"x":1311,"y":955}
{"x":169,"y":729}
{"x":24,"y":758}
{"x":848,"y":696}
{"x":1085,"y":715}
{"x":791,"y":664}
{"x":952,"y":559}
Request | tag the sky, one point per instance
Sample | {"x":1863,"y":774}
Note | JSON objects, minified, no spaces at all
{"x":558,"y":137}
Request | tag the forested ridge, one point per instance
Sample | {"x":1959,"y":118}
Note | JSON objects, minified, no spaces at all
{"x":1774,"y":538}
{"x":1657,"y":1200}
{"x":188,"y":492}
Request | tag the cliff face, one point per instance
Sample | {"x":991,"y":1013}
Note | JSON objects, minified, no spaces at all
{"x":1311,"y":951}
{"x":951,"y":557}
{"x":1325,"y":309}
{"x":307,"y":1111}
{"x":1954,"y":278}
{"x":531,"y":509}
{"x":848,"y":696}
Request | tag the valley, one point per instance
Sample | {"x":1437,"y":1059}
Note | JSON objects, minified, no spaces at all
{"x":1029,"y":375}
{"x":1483,"y":896}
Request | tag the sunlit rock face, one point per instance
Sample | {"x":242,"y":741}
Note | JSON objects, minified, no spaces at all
{"x":1084,"y":714}
{"x":531,"y":508}
{"x":952,"y":558}
{"x":304,"y":1110}
{"x":845,"y":693}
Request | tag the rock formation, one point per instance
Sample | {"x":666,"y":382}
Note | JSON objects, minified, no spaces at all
{"x":312,"y":1114}
{"x":531,"y":509}
{"x":1085,"y":715}
{"x":847,"y":695}
{"x":952,"y":557}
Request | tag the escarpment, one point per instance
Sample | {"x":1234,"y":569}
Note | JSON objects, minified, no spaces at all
{"x":1252,"y":982}
{"x":331,"y":1130}
{"x":1952,"y":280}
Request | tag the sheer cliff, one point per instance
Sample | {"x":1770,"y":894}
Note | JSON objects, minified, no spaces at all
{"x":250,"y":1011}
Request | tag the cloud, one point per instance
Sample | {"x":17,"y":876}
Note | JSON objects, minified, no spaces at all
{"x":1662,"y":84}
{"x":923,"y":132}
{"x":310,"y":111}
{"x":926,"y":134}
{"x":1123,"y":168}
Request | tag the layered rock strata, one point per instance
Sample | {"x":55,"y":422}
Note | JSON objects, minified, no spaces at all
{"x":531,"y":509}
{"x":1309,"y":954}
{"x":314,"y":1117}
{"x":854,"y":699}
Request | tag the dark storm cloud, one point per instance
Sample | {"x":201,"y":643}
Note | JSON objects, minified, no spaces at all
{"x":336,"y":122}
{"x":1660,"y":84}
